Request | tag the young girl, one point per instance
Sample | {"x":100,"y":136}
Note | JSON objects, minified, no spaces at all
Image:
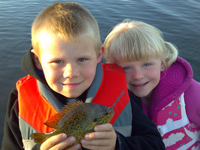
{"x":164,"y":82}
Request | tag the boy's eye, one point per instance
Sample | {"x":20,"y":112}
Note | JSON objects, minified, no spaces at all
{"x":126,"y":68}
{"x":146,"y":65}
{"x":57,"y":61}
{"x":81,"y":59}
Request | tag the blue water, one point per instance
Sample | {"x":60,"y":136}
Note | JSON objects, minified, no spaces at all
{"x":178,"y":20}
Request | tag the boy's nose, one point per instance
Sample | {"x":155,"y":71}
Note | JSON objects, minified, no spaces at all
{"x":137,"y":74}
{"x":71,"y":71}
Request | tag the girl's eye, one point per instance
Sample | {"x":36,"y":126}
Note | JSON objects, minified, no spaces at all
{"x":126,"y":68}
{"x":146,"y":65}
{"x":81,"y":59}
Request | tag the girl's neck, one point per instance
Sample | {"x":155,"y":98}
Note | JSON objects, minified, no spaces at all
{"x":147,"y":100}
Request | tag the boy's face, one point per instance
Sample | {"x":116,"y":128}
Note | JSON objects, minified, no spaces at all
{"x":142,"y":77}
{"x":69,"y":68}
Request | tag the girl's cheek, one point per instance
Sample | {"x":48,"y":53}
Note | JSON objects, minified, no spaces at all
{"x":128,"y":77}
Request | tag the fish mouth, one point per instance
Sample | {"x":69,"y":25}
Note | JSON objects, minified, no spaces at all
{"x":110,"y":113}
{"x":110,"y":109}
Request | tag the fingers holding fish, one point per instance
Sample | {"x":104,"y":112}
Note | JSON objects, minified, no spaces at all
{"x":53,"y":141}
{"x":76,"y":146}
{"x":103,"y":138}
{"x":59,"y":142}
{"x":103,"y":127}
{"x":104,"y":131}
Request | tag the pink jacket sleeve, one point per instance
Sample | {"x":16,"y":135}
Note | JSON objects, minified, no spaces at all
{"x":192,"y":101}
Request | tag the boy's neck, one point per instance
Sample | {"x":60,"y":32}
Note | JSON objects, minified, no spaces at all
{"x":82,"y":97}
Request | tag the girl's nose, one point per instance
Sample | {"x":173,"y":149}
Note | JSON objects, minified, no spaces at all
{"x":137,"y":74}
{"x":71,"y":71}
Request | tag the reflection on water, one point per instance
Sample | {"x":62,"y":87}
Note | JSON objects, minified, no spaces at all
{"x":178,"y":20}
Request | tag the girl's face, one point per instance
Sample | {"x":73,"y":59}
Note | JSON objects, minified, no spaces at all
{"x":142,"y":76}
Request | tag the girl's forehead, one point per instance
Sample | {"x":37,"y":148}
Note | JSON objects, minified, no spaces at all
{"x":150,"y":58}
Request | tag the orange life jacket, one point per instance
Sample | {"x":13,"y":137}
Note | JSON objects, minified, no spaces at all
{"x":34,"y":109}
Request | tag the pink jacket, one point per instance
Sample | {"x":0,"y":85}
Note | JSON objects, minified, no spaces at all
{"x":176,"y":86}
{"x":174,"y":81}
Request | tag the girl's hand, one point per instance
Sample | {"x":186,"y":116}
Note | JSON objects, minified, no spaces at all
{"x":104,"y":138}
{"x":59,"y":142}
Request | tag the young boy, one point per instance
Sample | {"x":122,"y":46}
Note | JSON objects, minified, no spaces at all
{"x":64,"y":65}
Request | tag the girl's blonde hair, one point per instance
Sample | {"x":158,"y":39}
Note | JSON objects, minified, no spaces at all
{"x":137,"y":41}
{"x":69,"y":21}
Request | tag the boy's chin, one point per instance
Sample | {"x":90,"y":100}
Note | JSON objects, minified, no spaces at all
{"x":72,"y":96}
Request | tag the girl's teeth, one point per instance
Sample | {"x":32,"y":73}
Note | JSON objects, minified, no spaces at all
{"x":139,"y":84}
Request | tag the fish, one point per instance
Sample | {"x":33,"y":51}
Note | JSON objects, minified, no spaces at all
{"x":76,"y":119}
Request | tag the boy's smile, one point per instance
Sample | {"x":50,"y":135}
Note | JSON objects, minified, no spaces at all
{"x":69,"y":67}
{"x":71,"y":85}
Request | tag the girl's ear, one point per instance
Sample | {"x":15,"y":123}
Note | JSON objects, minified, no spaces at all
{"x":36,"y":60}
{"x":100,"y":54}
{"x":162,"y":67}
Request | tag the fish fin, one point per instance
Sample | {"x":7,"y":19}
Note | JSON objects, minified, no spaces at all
{"x":39,"y":137}
{"x":53,"y":120}
{"x":71,"y":106}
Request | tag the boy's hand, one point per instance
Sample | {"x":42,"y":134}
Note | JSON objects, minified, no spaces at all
{"x":59,"y":142}
{"x":104,"y":138}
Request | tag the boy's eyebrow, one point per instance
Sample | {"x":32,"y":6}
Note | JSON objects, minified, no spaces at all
{"x":84,"y":55}
{"x":56,"y":57}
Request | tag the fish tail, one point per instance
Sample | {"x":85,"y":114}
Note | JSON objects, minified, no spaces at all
{"x":39,"y":137}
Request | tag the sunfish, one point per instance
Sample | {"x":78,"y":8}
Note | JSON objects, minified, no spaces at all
{"x":76,"y":119}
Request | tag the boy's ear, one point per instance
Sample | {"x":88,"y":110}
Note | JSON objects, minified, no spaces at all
{"x":36,"y":60}
{"x":100,"y":54}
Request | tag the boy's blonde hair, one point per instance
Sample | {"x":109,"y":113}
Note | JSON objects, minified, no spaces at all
{"x":137,"y":41}
{"x":69,"y":21}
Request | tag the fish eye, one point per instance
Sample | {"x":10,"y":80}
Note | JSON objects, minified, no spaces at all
{"x":106,"y":113}
{"x":94,"y":120}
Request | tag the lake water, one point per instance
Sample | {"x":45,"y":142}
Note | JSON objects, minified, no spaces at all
{"x":178,"y":20}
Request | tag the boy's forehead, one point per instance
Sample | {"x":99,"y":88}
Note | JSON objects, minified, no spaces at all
{"x":45,"y":38}
{"x":48,"y":37}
